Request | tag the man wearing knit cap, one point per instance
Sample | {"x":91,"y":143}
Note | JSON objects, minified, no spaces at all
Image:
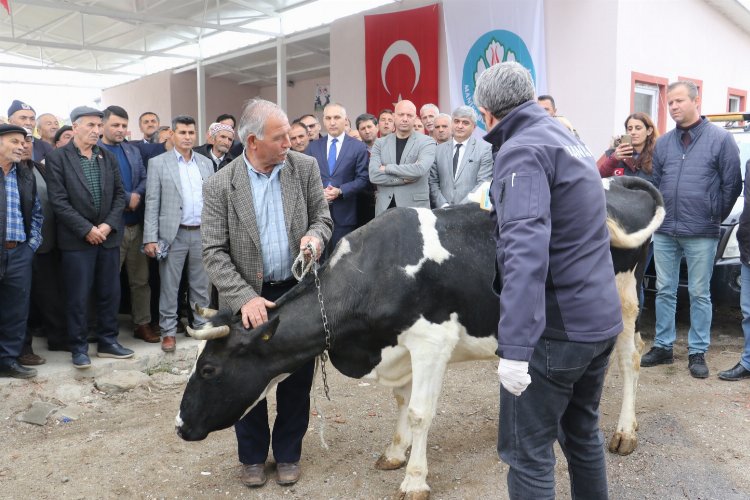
{"x":88,"y":199}
{"x":23,"y":115}
{"x":217,"y":149}
{"x":20,"y":236}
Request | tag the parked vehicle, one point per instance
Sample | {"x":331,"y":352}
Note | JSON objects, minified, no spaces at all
{"x":725,"y":282}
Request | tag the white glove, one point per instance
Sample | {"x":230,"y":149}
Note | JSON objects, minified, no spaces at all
{"x":514,"y":375}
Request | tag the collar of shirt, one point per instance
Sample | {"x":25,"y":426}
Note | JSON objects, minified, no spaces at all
{"x":339,"y":142}
{"x":214,"y":157}
{"x":463,"y":144}
{"x":274,"y":173}
{"x":95,"y":151}
{"x":180,"y":159}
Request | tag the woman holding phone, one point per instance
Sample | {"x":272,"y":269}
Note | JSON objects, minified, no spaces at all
{"x":633,"y":152}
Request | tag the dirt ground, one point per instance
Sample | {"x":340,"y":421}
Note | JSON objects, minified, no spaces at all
{"x":693,"y":439}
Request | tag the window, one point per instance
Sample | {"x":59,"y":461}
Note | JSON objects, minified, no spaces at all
{"x":736,"y":99}
{"x":648,"y":94}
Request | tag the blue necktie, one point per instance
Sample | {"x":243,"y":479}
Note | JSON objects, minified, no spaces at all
{"x":332,"y":156}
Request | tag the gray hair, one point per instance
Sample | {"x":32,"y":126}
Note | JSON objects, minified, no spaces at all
{"x":330,"y":104}
{"x":465,"y":112}
{"x":254,"y":116}
{"x":691,"y":87}
{"x":444,"y":115}
{"x":429,"y":105}
{"x":503,"y":87}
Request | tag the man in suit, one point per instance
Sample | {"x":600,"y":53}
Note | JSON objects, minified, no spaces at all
{"x":174,"y":200}
{"x":20,"y":236}
{"x":442,"y":130}
{"x":343,"y":169}
{"x":400,"y":164}
{"x":87,"y":196}
{"x":259,"y":212}
{"x":22,"y":115}
{"x":217,"y":149}
{"x":298,"y":137}
{"x":148,"y":123}
{"x":133,"y":175}
{"x":461,"y":164}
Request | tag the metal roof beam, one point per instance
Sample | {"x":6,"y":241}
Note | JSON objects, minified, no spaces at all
{"x":91,"y":47}
{"x":292,"y":73}
{"x":63,"y":68}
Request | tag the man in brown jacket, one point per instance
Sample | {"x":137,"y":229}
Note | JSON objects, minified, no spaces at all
{"x":258,"y":213}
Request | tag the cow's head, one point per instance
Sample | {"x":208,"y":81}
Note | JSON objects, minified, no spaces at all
{"x":234,"y":370}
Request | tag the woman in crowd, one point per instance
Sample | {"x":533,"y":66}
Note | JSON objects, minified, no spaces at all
{"x":633,"y":158}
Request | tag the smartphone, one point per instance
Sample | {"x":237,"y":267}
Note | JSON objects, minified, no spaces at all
{"x":626,"y":139}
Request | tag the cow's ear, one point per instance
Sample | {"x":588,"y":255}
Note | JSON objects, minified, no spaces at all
{"x":267,"y":331}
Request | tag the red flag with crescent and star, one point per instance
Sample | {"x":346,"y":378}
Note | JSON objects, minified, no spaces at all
{"x":4,"y":3}
{"x":401,"y":58}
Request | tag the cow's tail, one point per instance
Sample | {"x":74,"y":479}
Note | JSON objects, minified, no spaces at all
{"x":620,"y":238}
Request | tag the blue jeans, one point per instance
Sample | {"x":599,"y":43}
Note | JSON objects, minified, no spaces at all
{"x":745,"y":305}
{"x":699,"y":254}
{"x":561,"y":403}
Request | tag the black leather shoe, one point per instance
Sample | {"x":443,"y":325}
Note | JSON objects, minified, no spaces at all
{"x":697,"y":365}
{"x":113,"y":351}
{"x":739,"y":372}
{"x":14,"y":369}
{"x":657,"y":356}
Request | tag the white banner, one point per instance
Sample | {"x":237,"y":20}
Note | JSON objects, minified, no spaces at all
{"x":481,"y":33}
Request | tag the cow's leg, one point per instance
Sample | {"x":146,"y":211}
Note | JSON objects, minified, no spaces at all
{"x":395,"y":455}
{"x":430,"y":346}
{"x":628,"y":353}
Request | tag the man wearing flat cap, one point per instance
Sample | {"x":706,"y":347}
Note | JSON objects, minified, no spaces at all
{"x":88,"y":199}
{"x":220,"y":137}
{"x":23,"y":115}
{"x":20,"y":236}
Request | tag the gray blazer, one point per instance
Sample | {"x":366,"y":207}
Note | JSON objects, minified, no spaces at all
{"x":232,"y":253}
{"x":164,"y":196}
{"x":475,"y":168}
{"x":406,"y":181}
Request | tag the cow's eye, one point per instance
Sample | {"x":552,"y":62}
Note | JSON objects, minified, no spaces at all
{"x":208,"y":371}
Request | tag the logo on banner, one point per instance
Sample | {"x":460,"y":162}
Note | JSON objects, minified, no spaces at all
{"x":492,"y":48}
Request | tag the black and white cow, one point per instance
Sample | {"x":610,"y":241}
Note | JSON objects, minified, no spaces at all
{"x":407,"y":294}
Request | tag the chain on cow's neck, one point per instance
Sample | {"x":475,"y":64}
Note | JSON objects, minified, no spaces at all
{"x":326,"y":327}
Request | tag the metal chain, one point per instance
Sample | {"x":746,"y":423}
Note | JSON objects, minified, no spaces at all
{"x":326,"y":327}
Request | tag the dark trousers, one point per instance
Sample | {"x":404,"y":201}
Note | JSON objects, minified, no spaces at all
{"x":562,"y":403}
{"x":292,"y":414}
{"x":47,"y":297}
{"x":15,"y":293}
{"x":98,"y":269}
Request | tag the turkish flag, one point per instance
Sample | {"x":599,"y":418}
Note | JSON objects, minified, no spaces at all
{"x":401,"y":58}
{"x":4,"y":3}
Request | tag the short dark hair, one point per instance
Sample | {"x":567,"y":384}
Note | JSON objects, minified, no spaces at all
{"x":226,"y":116}
{"x":383,"y":111}
{"x":547,"y":98}
{"x":364,"y":117}
{"x":183,"y":119}
{"x":117,"y":111}
{"x":148,"y":113}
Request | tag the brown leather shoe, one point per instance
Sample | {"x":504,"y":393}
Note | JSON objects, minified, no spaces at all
{"x":253,"y":475}
{"x":146,"y":334}
{"x":31,"y":359}
{"x":168,"y":344}
{"x":288,"y":474}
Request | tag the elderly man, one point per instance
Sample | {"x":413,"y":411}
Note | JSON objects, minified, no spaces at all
{"x":88,"y":199}
{"x":20,"y":236}
{"x":553,"y":345}
{"x":298,"y":137}
{"x":441,"y":131}
{"x":47,"y":125}
{"x":217,"y":149}
{"x":400,"y":164}
{"x":23,"y":115}
{"x":427,"y":114}
{"x":172,"y":225}
{"x":461,"y":165}
{"x":259,"y":212}
{"x":697,"y":170}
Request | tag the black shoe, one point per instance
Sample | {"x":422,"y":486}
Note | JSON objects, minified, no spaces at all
{"x":697,"y":365}
{"x":657,"y":356}
{"x":737,"y":373}
{"x":81,"y":360}
{"x":14,"y":369}
{"x":113,"y":351}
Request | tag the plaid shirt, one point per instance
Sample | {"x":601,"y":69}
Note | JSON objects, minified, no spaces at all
{"x":90,"y":167}
{"x":269,"y":212}
{"x":14,"y":228}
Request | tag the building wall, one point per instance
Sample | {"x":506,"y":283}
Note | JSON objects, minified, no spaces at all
{"x":300,"y":99}
{"x":150,"y":93}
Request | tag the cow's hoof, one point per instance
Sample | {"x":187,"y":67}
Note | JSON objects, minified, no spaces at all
{"x":623,"y":444}
{"x":385,"y":463}
{"x":414,"y":495}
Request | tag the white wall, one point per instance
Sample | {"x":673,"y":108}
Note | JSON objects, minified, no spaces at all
{"x":300,"y":99}
{"x":150,"y":93}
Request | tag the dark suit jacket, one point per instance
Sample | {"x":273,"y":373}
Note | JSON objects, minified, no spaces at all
{"x":148,"y":150}
{"x":137,"y":174}
{"x":73,"y":203}
{"x":205,"y":150}
{"x":40,"y":149}
{"x":350,"y":175}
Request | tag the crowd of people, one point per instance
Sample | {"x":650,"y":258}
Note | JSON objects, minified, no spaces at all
{"x":220,"y":223}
